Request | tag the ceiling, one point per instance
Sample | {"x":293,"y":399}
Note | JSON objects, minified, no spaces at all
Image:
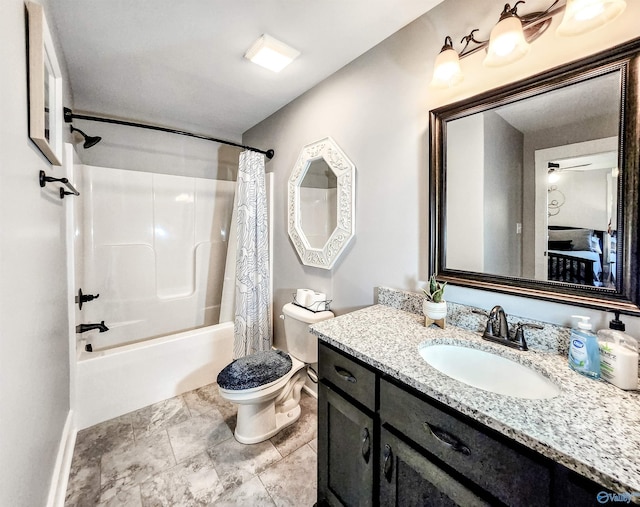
{"x":180,"y":64}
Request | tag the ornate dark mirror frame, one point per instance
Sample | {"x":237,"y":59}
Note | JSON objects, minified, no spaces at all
{"x":626,"y":296}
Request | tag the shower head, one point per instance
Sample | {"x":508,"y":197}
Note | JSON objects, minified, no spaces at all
{"x":89,"y":141}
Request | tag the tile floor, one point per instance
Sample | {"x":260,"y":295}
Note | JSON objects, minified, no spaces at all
{"x":181,"y":452}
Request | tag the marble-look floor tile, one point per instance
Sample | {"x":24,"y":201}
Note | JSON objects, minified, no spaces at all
{"x":129,"y":465}
{"x":124,"y":498}
{"x":314,"y":445}
{"x":300,"y":487}
{"x":93,"y":442}
{"x":83,"y":487}
{"x":236,"y":462}
{"x":194,"y":482}
{"x":159,"y":416}
{"x":302,"y":431}
{"x":251,"y":493}
{"x":197,"y":434}
{"x":205,"y":398}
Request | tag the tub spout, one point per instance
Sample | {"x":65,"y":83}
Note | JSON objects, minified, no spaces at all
{"x":82,"y":328}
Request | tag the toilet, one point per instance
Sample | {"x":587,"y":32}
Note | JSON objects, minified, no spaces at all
{"x":266,"y":385}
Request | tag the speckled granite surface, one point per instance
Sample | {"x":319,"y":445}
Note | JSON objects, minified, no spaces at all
{"x":591,"y":427}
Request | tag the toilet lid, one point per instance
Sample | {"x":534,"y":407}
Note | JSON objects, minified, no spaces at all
{"x":255,"y":370}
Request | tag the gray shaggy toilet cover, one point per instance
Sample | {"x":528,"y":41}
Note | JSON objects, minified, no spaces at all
{"x":255,"y":370}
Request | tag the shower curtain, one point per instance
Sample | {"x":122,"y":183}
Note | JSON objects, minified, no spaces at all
{"x":252,"y":323}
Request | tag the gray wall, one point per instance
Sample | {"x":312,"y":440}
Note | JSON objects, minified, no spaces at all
{"x":376,"y":108}
{"x":34,"y":350}
{"x":502,"y":196}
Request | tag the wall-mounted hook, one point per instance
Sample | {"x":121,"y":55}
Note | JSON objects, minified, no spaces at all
{"x":44,"y":179}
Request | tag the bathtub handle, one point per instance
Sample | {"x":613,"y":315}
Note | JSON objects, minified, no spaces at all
{"x":85,"y":298}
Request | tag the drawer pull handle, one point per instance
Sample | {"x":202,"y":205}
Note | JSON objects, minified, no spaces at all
{"x":366,"y":445}
{"x":447,"y":439}
{"x":345,"y":374}
{"x":387,"y":467}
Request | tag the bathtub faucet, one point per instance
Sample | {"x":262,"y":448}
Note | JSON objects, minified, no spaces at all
{"x":82,"y":328}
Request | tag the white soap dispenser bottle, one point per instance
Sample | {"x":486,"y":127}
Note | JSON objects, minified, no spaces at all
{"x":618,"y":355}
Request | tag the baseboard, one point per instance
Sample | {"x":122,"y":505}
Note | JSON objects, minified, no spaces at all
{"x":310,"y":391}
{"x":60,"y":476}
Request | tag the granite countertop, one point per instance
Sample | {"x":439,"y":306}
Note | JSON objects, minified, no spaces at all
{"x":591,"y":427}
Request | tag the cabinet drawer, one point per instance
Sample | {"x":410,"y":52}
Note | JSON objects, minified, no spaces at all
{"x":350,"y":377}
{"x":510,"y":475}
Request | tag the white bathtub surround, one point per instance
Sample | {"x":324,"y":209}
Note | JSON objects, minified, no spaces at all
{"x":253,"y":296}
{"x":154,"y":247}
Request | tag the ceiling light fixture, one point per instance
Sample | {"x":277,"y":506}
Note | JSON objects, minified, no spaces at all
{"x":511,"y":36}
{"x":271,"y":54}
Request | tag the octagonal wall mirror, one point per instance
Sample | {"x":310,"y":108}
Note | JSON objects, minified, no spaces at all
{"x":321,"y":203}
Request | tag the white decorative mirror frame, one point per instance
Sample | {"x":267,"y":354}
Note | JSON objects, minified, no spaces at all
{"x":323,"y":257}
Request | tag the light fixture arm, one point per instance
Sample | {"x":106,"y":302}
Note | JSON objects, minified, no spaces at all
{"x":468,"y":39}
{"x":510,"y":11}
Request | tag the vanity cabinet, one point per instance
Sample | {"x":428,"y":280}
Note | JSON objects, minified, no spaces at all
{"x":347,"y":435}
{"x":381,"y":442}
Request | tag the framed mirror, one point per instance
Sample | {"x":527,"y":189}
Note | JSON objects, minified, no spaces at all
{"x":321,"y":203}
{"x":45,"y":87}
{"x":534,"y":187}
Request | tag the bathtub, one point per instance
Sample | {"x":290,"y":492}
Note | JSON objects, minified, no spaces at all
{"x":112,"y":382}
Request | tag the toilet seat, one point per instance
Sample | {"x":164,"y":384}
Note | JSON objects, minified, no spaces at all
{"x":255,"y":371}
{"x":258,"y":393}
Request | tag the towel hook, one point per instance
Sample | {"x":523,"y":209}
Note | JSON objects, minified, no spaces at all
{"x":44,"y":179}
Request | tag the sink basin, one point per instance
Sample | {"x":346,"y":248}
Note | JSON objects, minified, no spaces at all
{"x":488,"y":371}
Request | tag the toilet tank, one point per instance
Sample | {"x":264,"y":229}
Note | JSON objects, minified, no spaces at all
{"x":302,"y":344}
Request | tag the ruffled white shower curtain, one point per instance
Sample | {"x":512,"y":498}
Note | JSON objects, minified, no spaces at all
{"x":252,"y":323}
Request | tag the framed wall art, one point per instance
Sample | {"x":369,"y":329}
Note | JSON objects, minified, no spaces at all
{"x":45,"y":87}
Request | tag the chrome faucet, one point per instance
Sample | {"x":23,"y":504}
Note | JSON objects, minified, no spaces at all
{"x":83,"y":328}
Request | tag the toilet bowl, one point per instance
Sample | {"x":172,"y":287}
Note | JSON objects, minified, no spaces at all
{"x":266,"y":385}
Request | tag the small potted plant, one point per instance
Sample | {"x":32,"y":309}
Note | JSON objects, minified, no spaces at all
{"x":434,"y":305}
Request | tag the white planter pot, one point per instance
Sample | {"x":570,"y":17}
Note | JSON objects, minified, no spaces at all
{"x":434,"y":311}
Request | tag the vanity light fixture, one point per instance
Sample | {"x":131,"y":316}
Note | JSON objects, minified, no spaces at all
{"x":582,"y":16}
{"x":506,"y":43}
{"x":271,"y":53}
{"x":511,"y":36}
{"x":446,"y":70}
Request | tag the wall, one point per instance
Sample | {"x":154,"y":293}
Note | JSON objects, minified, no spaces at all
{"x":502,"y":196}
{"x":376,"y":108}
{"x":465,"y":194}
{"x":34,"y":351}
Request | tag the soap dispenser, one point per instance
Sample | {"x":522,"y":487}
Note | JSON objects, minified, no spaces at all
{"x":584,"y":354}
{"x":618,"y":355}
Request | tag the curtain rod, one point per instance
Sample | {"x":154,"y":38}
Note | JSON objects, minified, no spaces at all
{"x":69,"y":115}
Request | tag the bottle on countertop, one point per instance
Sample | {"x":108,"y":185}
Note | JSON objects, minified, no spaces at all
{"x":584,"y":354}
{"x":618,"y":355}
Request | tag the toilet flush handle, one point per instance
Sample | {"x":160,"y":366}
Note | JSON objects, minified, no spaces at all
{"x":282,"y":317}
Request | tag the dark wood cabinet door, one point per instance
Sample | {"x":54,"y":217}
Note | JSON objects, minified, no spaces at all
{"x":407,"y":478}
{"x":346,"y":451}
